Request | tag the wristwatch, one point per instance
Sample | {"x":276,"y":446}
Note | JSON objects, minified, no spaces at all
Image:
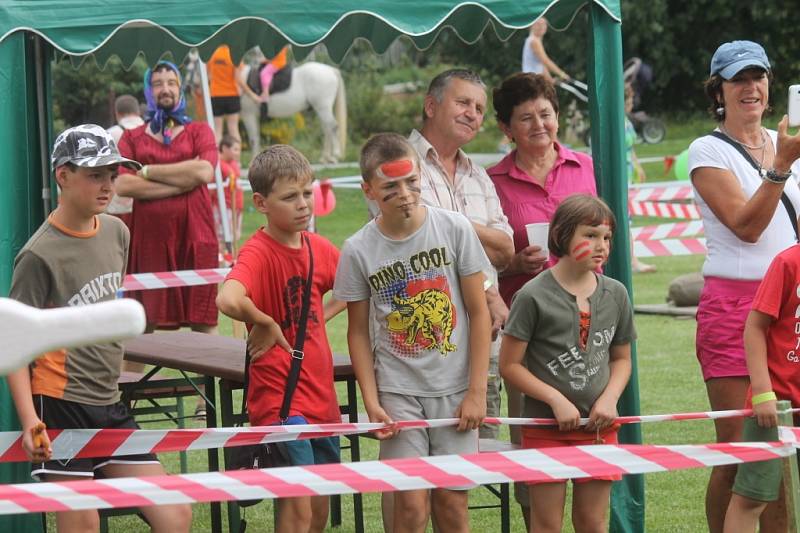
{"x":773,"y":177}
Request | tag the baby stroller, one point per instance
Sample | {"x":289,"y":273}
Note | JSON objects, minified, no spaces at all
{"x":577,"y":124}
{"x":639,"y":74}
{"x":650,"y":129}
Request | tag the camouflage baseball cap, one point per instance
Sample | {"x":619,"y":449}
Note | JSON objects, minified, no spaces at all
{"x":88,"y":145}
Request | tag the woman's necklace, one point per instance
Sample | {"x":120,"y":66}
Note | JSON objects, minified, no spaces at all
{"x":749,"y":147}
{"x":762,"y":146}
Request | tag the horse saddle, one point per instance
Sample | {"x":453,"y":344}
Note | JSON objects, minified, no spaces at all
{"x":280,"y":81}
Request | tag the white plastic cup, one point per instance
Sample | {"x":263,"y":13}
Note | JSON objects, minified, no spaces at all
{"x":537,"y":236}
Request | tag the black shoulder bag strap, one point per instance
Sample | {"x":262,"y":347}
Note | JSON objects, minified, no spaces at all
{"x":297,"y":352}
{"x":787,"y":204}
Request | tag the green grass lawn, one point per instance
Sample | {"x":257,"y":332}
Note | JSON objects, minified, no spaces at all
{"x":669,"y":381}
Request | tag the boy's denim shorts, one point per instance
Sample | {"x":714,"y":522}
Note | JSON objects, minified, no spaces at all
{"x":324,"y":450}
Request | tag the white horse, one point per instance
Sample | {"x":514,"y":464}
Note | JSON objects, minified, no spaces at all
{"x":313,"y":85}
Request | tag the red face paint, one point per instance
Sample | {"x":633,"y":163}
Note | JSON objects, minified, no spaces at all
{"x":399,"y":169}
{"x":581,"y":250}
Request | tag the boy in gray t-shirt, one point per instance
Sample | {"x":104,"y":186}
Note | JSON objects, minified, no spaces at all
{"x":78,"y":257}
{"x":419,"y":329}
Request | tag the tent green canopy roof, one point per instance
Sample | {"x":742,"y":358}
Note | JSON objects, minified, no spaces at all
{"x":33,"y":31}
{"x":152,"y":27}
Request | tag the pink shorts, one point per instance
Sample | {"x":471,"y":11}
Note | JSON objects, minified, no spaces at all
{"x":721,"y":314}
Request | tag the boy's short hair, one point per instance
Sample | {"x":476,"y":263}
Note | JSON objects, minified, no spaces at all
{"x":576,"y":210}
{"x":382,"y":148}
{"x":279,"y":161}
{"x":227,"y":141}
{"x":126,"y":104}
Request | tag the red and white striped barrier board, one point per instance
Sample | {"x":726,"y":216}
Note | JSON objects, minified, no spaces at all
{"x":445,"y":471}
{"x":664,"y":210}
{"x":178,"y":278}
{"x":668,"y":193}
{"x":86,"y":443}
{"x":668,"y":247}
{"x":789,"y":435}
{"x":672,"y":230}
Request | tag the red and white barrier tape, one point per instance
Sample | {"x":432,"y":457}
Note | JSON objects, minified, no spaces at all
{"x":86,"y":443}
{"x":669,"y":247}
{"x":671,"y":230}
{"x":789,"y":435}
{"x":664,"y":210}
{"x":445,"y":471}
{"x":668,"y":193}
{"x":178,"y":278}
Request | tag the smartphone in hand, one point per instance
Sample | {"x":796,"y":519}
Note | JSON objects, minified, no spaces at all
{"x":794,"y":105}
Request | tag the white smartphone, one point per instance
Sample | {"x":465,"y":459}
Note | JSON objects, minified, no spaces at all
{"x":794,"y":105}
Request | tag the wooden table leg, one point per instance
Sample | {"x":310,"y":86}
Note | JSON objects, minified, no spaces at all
{"x":355,"y":451}
{"x":213,"y":453}
{"x":227,"y":414}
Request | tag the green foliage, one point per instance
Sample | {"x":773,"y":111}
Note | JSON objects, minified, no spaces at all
{"x":86,"y":94}
{"x":676,"y":37}
{"x":371,"y":111}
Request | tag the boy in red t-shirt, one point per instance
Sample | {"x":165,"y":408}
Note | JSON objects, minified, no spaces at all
{"x":771,"y":340}
{"x":230,"y":150}
{"x":265,"y":290}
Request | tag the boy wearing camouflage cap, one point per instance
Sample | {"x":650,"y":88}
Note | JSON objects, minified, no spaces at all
{"x":78,"y":257}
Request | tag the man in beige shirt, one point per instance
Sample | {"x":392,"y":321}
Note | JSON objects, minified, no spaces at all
{"x":452,"y":115}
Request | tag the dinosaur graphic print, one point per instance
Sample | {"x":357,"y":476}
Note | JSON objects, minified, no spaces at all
{"x":425,"y":318}
{"x":421,"y":317}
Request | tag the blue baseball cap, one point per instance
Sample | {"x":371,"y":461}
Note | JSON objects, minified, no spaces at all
{"x":735,"y":56}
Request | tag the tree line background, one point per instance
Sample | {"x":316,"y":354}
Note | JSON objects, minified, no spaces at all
{"x":675,"y":37}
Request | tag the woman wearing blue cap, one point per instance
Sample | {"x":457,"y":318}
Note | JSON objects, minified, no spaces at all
{"x":745,"y":182}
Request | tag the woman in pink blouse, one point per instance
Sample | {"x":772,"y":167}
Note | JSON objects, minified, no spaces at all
{"x":538,"y":175}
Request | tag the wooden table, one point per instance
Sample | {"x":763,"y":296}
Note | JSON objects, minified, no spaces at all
{"x":222,"y":358}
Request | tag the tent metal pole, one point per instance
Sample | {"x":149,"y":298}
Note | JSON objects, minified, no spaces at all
{"x":606,"y":107}
{"x":223,"y":209}
{"x":41,"y":121}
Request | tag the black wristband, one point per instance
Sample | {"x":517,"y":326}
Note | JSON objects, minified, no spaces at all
{"x":773,"y":177}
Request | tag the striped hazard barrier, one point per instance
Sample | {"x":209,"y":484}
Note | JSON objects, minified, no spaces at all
{"x":646,"y":244}
{"x":664,"y":210}
{"x":177,"y":278}
{"x":665,"y":193}
{"x":668,"y":247}
{"x":444,"y":471}
{"x":88,"y":443}
{"x":672,"y":230}
{"x":789,"y":435}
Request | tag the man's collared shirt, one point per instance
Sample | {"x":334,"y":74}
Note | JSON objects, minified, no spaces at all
{"x":472,"y":194}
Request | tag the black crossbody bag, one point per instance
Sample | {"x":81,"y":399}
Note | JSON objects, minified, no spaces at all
{"x":787,"y":204}
{"x":274,"y":454}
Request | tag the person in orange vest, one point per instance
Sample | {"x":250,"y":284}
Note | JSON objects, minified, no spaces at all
{"x":225,"y":85}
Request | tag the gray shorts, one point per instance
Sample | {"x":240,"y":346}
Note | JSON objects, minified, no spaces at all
{"x":425,"y":442}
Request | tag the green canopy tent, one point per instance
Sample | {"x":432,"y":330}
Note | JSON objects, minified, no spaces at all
{"x":32,"y":31}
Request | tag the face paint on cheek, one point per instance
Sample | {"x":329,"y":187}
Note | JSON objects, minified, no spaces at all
{"x":414,"y":188}
{"x":581,"y":250}
{"x":388,"y":197}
